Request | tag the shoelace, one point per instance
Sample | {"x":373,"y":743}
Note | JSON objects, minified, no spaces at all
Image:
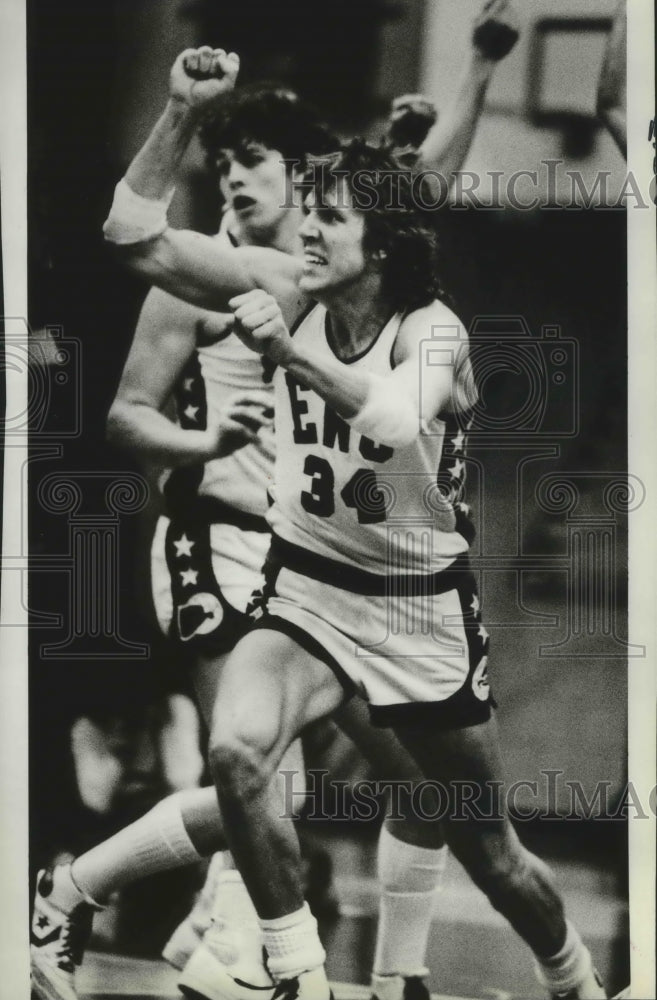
{"x":72,"y":942}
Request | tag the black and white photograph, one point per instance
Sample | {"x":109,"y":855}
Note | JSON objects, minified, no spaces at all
{"x":327,"y":653}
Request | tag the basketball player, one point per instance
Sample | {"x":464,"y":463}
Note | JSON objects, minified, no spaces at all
{"x":348,"y":403}
{"x":262,"y":127}
{"x":217,"y":507}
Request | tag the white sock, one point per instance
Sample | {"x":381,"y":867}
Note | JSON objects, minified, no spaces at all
{"x":66,"y":894}
{"x":292,"y":944}
{"x":410,"y":878}
{"x":569,"y":967}
{"x":155,"y":843}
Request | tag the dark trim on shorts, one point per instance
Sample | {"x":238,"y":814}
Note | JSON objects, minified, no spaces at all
{"x":202,"y":598}
{"x":447,"y":714}
{"x":360,"y":581}
{"x":308,"y":642}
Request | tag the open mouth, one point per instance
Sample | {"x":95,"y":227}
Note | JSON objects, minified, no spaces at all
{"x":315,"y":259}
{"x":242,"y":202}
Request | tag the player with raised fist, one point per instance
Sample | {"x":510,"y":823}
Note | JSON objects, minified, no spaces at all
{"x":363,"y":420}
{"x":201,"y":77}
{"x":496,"y":30}
{"x":439,"y":142}
{"x":376,"y":281}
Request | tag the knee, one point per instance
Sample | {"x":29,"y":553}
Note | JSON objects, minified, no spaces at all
{"x":239,"y":765}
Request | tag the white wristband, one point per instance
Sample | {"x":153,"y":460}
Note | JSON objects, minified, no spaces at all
{"x":388,"y":419}
{"x":133,"y":219}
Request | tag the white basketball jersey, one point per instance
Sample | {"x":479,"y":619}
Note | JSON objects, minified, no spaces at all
{"x":215,"y":372}
{"x":349,"y":498}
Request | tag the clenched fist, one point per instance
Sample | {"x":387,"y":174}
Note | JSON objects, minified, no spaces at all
{"x":201,"y":77}
{"x":411,"y":117}
{"x":260,"y":325}
{"x":496,"y":30}
{"x":239,"y":422}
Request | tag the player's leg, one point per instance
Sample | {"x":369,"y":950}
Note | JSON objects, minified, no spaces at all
{"x":179,"y":830}
{"x":174,"y":607}
{"x":411,"y":859}
{"x":467,"y":765}
{"x":205,"y":620}
{"x":187,"y":936}
{"x":225,"y":961}
{"x":269,"y":690}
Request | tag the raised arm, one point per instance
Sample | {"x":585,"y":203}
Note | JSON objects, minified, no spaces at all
{"x":164,"y":340}
{"x":190,"y":266}
{"x":448,"y":142}
{"x":429,"y":377}
{"x":612,"y":87}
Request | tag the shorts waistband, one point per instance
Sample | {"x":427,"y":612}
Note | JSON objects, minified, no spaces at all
{"x":210,"y":510}
{"x":360,"y":581}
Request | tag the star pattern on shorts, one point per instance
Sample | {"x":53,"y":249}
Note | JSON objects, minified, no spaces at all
{"x":183,"y":546}
{"x":43,"y":922}
{"x":475,"y":605}
{"x":456,"y":471}
{"x":188,"y":577}
{"x":188,"y":385}
{"x":190,"y":412}
{"x":482,"y":633}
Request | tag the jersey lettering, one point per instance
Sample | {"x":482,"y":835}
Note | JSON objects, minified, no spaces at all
{"x":375,"y":452}
{"x":302,"y":433}
{"x":362,"y":493}
{"x":319,"y":499}
{"x":335,"y":428}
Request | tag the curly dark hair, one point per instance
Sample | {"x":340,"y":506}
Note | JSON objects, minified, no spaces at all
{"x":271,"y":114}
{"x":397,"y":231}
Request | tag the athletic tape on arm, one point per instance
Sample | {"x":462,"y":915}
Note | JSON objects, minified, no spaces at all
{"x":134,"y":219}
{"x":387,"y":418}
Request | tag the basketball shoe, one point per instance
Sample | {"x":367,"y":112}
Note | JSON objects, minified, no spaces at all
{"x":228,"y":964}
{"x":57,"y":940}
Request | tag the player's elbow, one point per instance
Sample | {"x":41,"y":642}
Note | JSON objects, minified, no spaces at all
{"x":141,"y":259}
{"x":118,"y":426}
{"x":405,"y":433}
{"x":393,"y":422}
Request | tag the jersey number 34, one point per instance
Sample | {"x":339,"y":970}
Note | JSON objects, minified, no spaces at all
{"x":362,"y":493}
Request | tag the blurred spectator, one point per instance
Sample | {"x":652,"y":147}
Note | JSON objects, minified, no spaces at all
{"x":125,"y":759}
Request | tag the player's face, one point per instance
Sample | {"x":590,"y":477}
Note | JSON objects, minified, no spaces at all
{"x":254,"y":184}
{"x":332,"y":235}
